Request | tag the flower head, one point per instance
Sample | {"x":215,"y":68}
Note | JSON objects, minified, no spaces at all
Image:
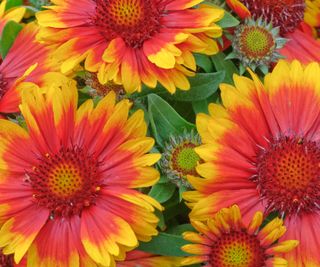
{"x":261,"y":151}
{"x":225,"y":241}
{"x":133,"y":41}
{"x":256,"y":43}
{"x":71,"y":178}
{"x":179,"y":158}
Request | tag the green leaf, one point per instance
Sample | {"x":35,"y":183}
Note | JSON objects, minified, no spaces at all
{"x":204,"y":62}
{"x":164,"y":120}
{"x":161,"y":223}
{"x":228,"y":21}
{"x":9,"y":34}
{"x":179,"y":229}
{"x":83,"y":97}
{"x":221,"y":64}
{"x":203,"y":85}
{"x":180,"y":108}
{"x":174,"y":208}
{"x":200,"y":106}
{"x":166,"y":245}
{"x":13,"y":3}
{"x":162,"y":192}
{"x":182,"y":189}
{"x":163,"y":179}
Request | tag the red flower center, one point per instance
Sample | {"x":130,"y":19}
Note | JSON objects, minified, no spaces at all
{"x":289,"y":175}
{"x":65,"y":182}
{"x":6,"y":260}
{"x":287,"y":14}
{"x":237,"y":249}
{"x":135,"y":21}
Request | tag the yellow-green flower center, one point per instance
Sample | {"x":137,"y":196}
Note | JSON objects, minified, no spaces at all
{"x":237,"y":249}
{"x":184,"y":159}
{"x":236,"y":255}
{"x":256,"y":42}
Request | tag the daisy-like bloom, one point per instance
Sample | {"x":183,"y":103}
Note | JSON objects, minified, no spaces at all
{"x":179,"y":158}
{"x":67,"y":189}
{"x":27,"y":60}
{"x":225,"y":241}
{"x":261,"y":151}
{"x":15,"y":14}
{"x":138,"y":258}
{"x":133,"y":41}
{"x":289,"y":15}
{"x":256,"y":44}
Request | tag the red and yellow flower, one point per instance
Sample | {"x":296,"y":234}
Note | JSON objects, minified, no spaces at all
{"x":15,"y":14}
{"x":67,"y":189}
{"x":138,"y":258}
{"x":132,"y":41}
{"x":225,"y":241}
{"x":261,"y":151}
{"x":27,"y":60}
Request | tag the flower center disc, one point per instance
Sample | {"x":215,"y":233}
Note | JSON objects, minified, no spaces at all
{"x":237,"y":249}
{"x":66,"y":182}
{"x":287,"y":14}
{"x":255,"y":42}
{"x":184,"y":159}
{"x":289,"y":175}
{"x":6,"y":260}
{"x":135,"y":21}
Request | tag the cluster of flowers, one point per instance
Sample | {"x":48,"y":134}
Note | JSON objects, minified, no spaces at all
{"x":160,"y":133}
